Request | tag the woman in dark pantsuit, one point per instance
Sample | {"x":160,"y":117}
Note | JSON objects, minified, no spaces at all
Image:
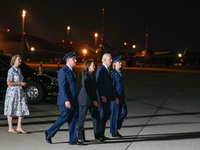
{"x":88,"y":100}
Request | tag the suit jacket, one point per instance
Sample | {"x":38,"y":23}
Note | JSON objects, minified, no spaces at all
{"x":67,"y":82}
{"x":88,"y":90}
{"x":118,"y":84}
{"x":104,"y":83}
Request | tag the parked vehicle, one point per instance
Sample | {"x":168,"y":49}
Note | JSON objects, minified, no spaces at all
{"x":39,"y":88}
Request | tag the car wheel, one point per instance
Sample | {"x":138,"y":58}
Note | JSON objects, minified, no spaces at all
{"x":34,"y":92}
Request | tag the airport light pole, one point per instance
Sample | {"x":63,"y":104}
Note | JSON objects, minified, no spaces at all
{"x":68,"y":28}
{"x":23,"y":20}
{"x":96,"y":36}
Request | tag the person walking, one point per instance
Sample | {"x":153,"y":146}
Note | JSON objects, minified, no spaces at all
{"x":67,"y":101}
{"x":15,"y":99}
{"x":88,"y":100}
{"x":105,"y":89}
{"x":118,"y":110}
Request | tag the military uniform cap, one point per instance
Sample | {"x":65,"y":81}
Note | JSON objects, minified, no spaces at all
{"x":116,"y":59}
{"x":69,"y":55}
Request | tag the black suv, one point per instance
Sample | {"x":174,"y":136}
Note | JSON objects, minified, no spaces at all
{"x":39,"y":88}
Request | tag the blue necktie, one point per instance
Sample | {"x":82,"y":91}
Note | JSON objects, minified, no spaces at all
{"x":74,"y":73}
{"x":120,"y":73}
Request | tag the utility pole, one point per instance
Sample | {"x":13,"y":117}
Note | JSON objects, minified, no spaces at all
{"x":146,"y":47}
{"x":102,"y":36}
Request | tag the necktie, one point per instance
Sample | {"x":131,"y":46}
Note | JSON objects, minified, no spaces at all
{"x":109,"y":71}
{"x":74,"y":73}
{"x":120,"y":73}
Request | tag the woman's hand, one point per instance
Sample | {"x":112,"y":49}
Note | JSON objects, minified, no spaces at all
{"x":116,"y":101}
{"x":95,"y":103}
{"x":23,"y":83}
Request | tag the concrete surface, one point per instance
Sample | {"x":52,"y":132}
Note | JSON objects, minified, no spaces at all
{"x":163,"y":114}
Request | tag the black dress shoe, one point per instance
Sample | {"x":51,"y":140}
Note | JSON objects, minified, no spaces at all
{"x":77,"y":143}
{"x":119,"y":134}
{"x":84,"y":140}
{"x":100,"y":139}
{"x":48,"y":138}
{"x":106,"y":138}
{"x":116,"y":135}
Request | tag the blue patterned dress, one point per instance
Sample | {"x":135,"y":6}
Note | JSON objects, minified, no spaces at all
{"x":15,"y":100}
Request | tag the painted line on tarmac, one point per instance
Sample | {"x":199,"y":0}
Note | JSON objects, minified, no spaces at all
{"x":154,"y":114}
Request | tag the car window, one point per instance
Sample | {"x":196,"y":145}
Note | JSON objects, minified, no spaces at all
{"x":3,"y":66}
{"x":5,"y":63}
{"x":24,"y":66}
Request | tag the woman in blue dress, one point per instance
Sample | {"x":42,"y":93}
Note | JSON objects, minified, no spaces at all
{"x":15,"y":100}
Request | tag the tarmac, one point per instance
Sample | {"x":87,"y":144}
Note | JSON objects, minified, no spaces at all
{"x":163,"y":114}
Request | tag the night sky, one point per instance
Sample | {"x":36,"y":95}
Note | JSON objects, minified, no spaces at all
{"x":171,"y":24}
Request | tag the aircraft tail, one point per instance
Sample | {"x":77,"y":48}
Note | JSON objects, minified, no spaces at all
{"x":185,"y":50}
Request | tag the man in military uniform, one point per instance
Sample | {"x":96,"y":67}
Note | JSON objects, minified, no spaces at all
{"x":67,"y":101}
{"x":118,"y":108}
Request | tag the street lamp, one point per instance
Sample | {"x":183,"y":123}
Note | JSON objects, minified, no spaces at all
{"x":68,"y":28}
{"x":96,"y":36}
{"x":84,"y":52}
{"x":23,"y":20}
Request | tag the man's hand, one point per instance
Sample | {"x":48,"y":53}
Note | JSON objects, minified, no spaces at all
{"x":116,"y":100}
{"x":68,"y":104}
{"x":125,"y":100}
{"x":104,"y":99}
{"x":95,"y":103}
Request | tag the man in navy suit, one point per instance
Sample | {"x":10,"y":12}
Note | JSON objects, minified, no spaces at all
{"x":105,"y":89}
{"x":67,"y":101}
{"x":119,"y":109}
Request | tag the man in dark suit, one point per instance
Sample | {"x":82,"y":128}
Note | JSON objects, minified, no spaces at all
{"x":118,"y":110}
{"x":67,"y":101}
{"x":105,"y":89}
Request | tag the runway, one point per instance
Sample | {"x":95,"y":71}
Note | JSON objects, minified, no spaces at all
{"x":163,"y":114}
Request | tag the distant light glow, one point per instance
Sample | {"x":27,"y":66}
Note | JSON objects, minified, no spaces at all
{"x":134,"y":46}
{"x":63,"y":41}
{"x":70,"y":42}
{"x":126,"y":53}
{"x":24,"y":33}
{"x":179,"y":55}
{"x":181,"y":60}
{"x":8,"y":30}
{"x":23,"y":13}
{"x":32,"y":48}
{"x":96,"y":35}
{"x":68,"y":27}
{"x":85,"y":51}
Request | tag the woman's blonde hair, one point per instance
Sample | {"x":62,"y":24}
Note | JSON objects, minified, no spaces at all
{"x":113,"y":65}
{"x":13,"y":59}
{"x":86,"y":65}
